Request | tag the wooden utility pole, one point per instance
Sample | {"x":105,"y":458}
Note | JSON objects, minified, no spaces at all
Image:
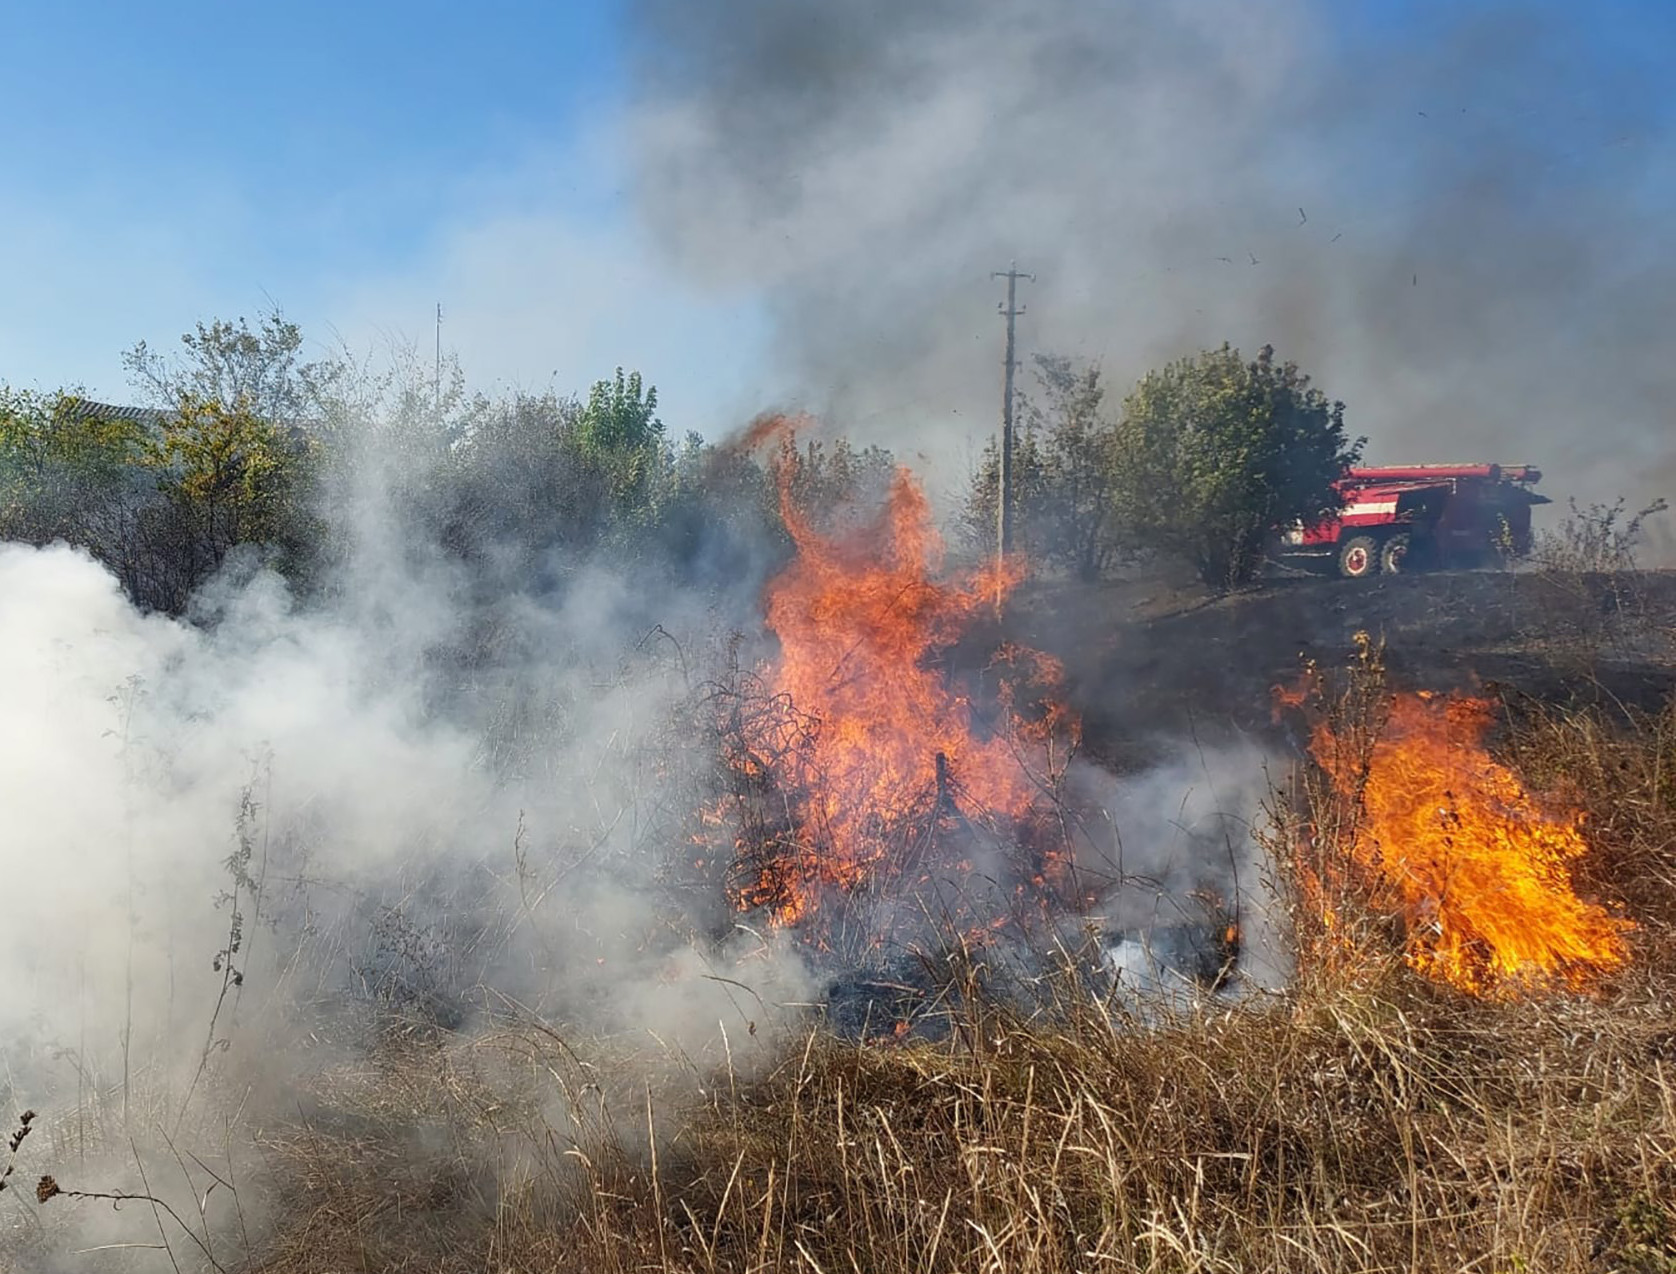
{"x":1004,"y":482}
{"x":436,"y":385}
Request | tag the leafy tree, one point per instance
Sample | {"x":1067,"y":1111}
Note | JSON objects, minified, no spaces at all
{"x":541,"y":481}
{"x":1076,"y":503}
{"x":978,"y":528}
{"x":65,"y":473}
{"x":713,"y":521}
{"x":257,"y":369}
{"x":1061,"y":475}
{"x":618,"y":433}
{"x":620,"y":416}
{"x":227,"y":476}
{"x":829,"y":483}
{"x":518,"y":486}
{"x":1213,"y":452}
{"x":238,"y":471}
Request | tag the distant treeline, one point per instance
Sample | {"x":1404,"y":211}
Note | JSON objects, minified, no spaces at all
{"x":242,"y":447}
{"x":239,"y":445}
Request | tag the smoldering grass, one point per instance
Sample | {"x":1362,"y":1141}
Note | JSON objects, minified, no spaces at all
{"x":1362,"y":1119}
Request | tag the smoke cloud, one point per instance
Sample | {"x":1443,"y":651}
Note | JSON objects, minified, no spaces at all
{"x":1448,"y":221}
{"x":238,"y":848}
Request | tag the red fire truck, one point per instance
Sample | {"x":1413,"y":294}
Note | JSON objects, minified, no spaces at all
{"x":1412,"y":517}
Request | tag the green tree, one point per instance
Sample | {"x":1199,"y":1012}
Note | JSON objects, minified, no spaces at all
{"x":227,"y":476}
{"x":828,"y":483}
{"x":1213,"y":453}
{"x":978,"y":528}
{"x":621,"y":438}
{"x":65,"y":472}
{"x":1062,"y":475}
{"x":256,"y":368}
{"x":235,"y":455}
{"x":519,"y":485}
{"x":621,"y":416}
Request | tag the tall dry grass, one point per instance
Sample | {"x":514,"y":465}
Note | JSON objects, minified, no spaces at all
{"x":1379,"y":1124}
{"x":1362,"y":1120}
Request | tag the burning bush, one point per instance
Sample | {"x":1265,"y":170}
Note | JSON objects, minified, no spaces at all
{"x":856,"y":762}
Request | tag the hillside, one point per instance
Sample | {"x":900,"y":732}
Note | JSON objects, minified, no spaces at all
{"x":1145,"y":657}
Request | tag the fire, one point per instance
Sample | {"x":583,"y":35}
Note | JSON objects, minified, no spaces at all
{"x":869,"y":743}
{"x":1474,"y":864}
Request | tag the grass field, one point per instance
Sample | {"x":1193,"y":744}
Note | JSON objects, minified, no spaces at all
{"x":1365,"y":1118}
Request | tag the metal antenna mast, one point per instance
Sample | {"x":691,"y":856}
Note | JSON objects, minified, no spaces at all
{"x":436,"y":384}
{"x":1004,"y":481}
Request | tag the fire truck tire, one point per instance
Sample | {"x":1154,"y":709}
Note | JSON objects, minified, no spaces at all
{"x":1358,"y":557}
{"x":1396,"y":556}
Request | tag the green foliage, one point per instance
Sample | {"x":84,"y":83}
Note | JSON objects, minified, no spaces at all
{"x":160,"y":497}
{"x":64,"y":473}
{"x":232,"y":363}
{"x":232,"y":471}
{"x":978,"y":528}
{"x":224,"y":477}
{"x":1213,"y":452}
{"x":619,"y":434}
{"x":518,"y":485}
{"x":248,"y":445}
{"x":234,"y":459}
{"x":1646,"y":1236}
{"x":1062,"y":475}
{"x":620,"y":416}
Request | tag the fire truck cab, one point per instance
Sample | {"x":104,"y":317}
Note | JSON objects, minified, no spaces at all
{"x":1414,"y":517}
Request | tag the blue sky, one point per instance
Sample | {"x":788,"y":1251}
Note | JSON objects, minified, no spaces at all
{"x":355,"y":164}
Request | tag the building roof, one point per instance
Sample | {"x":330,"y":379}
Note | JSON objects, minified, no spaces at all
{"x":73,"y":407}
{"x":76,"y":408}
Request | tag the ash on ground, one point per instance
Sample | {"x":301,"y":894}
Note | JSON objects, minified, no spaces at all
{"x":921,"y":994}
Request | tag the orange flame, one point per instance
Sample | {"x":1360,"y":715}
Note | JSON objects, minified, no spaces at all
{"x":1474,"y":864}
{"x":861,"y":619}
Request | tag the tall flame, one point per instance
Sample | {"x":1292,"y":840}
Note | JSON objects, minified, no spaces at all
{"x":1476,"y":866}
{"x":862,"y":618}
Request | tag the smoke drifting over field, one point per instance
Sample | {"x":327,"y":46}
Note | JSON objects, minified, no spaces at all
{"x":390,"y":842}
{"x":243,"y":847}
{"x":1448,"y":224}
{"x":238,"y":850}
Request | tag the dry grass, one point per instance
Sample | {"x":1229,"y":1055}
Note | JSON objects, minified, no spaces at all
{"x":1363,"y":1120}
{"x":1590,"y":600}
{"x":1381,"y":1125}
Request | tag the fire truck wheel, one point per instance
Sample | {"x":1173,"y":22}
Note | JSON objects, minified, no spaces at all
{"x":1395,"y":557}
{"x":1358,"y":557}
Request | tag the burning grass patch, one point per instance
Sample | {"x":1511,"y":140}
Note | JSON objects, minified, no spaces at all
{"x":1366,"y":1118}
{"x":1409,"y":823}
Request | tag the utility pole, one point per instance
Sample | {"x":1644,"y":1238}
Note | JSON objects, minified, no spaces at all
{"x":436,"y":384}
{"x":1004,"y":484}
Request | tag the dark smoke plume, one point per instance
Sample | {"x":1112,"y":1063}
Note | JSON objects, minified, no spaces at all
{"x":1457,"y":221}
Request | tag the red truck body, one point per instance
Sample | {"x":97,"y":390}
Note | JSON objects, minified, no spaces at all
{"x":1408,"y":517}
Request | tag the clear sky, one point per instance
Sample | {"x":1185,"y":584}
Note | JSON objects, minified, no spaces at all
{"x":355,"y":163}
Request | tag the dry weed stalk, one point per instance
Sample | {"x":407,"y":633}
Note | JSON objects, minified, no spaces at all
{"x":1337,"y":932}
{"x":1592,"y":600}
